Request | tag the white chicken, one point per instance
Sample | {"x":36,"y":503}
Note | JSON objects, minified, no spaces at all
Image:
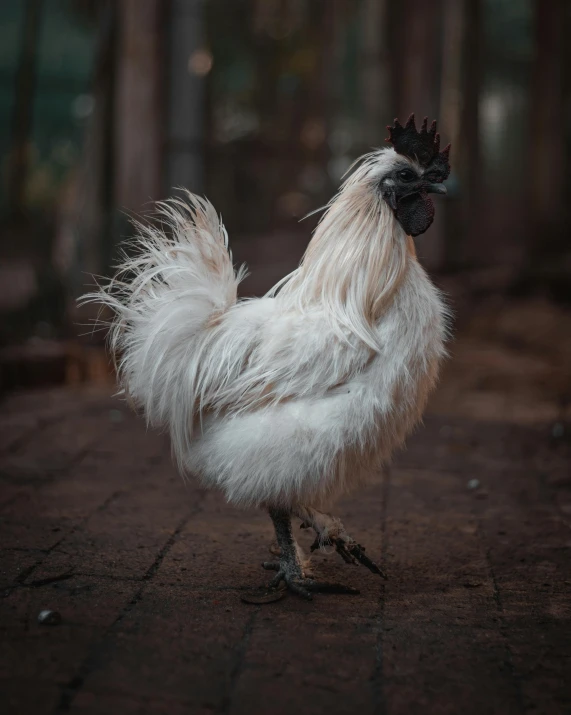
{"x":287,"y":401}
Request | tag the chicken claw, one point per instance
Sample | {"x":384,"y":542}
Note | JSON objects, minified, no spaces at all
{"x":303,"y":587}
{"x":350,"y":551}
{"x":291,"y":569}
{"x":331,"y":532}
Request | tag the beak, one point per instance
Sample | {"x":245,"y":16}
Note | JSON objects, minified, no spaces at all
{"x":435,"y":189}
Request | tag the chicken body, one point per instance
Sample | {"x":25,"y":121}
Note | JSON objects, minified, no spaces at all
{"x":287,"y":401}
{"x":321,"y":413}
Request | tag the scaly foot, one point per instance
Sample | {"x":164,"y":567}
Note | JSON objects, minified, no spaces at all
{"x":331,"y":532}
{"x":296,"y":581}
{"x":289,"y":567}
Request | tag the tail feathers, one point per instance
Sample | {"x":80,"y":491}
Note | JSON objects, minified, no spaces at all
{"x":179,"y":276}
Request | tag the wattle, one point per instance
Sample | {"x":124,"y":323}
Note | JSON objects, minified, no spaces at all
{"x":415,"y":213}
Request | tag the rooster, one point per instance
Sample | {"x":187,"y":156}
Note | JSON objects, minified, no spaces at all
{"x":285,"y":402}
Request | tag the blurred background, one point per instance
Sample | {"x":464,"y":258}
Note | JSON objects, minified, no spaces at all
{"x":262,"y":105}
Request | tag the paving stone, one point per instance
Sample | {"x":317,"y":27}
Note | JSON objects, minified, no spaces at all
{"x":174,"y":643}
{"x":147,"y":573}
{"x":82,"y":601}
{"x":14,"y":565}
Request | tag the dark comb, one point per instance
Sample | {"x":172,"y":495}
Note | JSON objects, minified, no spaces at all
{"x":422,"y":146}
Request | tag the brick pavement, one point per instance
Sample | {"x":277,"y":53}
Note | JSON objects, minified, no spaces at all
{"x":147,"y":574}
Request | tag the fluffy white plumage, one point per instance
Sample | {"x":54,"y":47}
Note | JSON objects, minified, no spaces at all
{"x":293,"y":398}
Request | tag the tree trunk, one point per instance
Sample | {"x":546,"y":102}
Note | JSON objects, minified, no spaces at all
{"x":415,"y":50}
{"x":450,"y":118}
{"x":547,"y":130}
{"x":415,"y":45}
{"x":468,"y":152}
{"x":84,"y":235}
{"x":139,"y":104}
{"x":374,"y":72}
{"x":23,"y":107}
{"x":186,"y":97}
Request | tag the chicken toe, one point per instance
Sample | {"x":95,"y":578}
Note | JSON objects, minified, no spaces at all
{"x":330,"y":532}
{"x":291,"y":568}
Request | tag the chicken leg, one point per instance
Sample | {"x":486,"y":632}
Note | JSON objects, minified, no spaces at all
{"x":290,"y":568}
{"x":330,"y":532}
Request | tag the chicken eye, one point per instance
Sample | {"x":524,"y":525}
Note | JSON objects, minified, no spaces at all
{"x":406,"y":175}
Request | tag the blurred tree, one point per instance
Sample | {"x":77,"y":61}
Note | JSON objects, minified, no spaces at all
{"x":549,"y":257}
{"x":23,"y":107}
{"x":121,"y":168}
{"x":273,"y":94}
{"x":374,"y":71}
{"x":547,"y":127}
{"x":188,"y":62}
{"x":469,"y":151}
{"x":451,"y":84}
{"x":415,"y":38}
{"x":140,"y":103}
{"x":450,"y":119}
{"x":85,"y":210}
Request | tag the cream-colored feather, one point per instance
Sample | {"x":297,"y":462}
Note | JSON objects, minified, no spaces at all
{"x":291,"y":398}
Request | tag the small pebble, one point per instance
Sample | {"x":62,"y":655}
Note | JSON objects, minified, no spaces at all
{"x":49,"y":618}
{"x":473,"y":483}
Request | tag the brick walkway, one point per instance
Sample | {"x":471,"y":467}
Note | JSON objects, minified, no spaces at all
{"x":147,"y":574}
